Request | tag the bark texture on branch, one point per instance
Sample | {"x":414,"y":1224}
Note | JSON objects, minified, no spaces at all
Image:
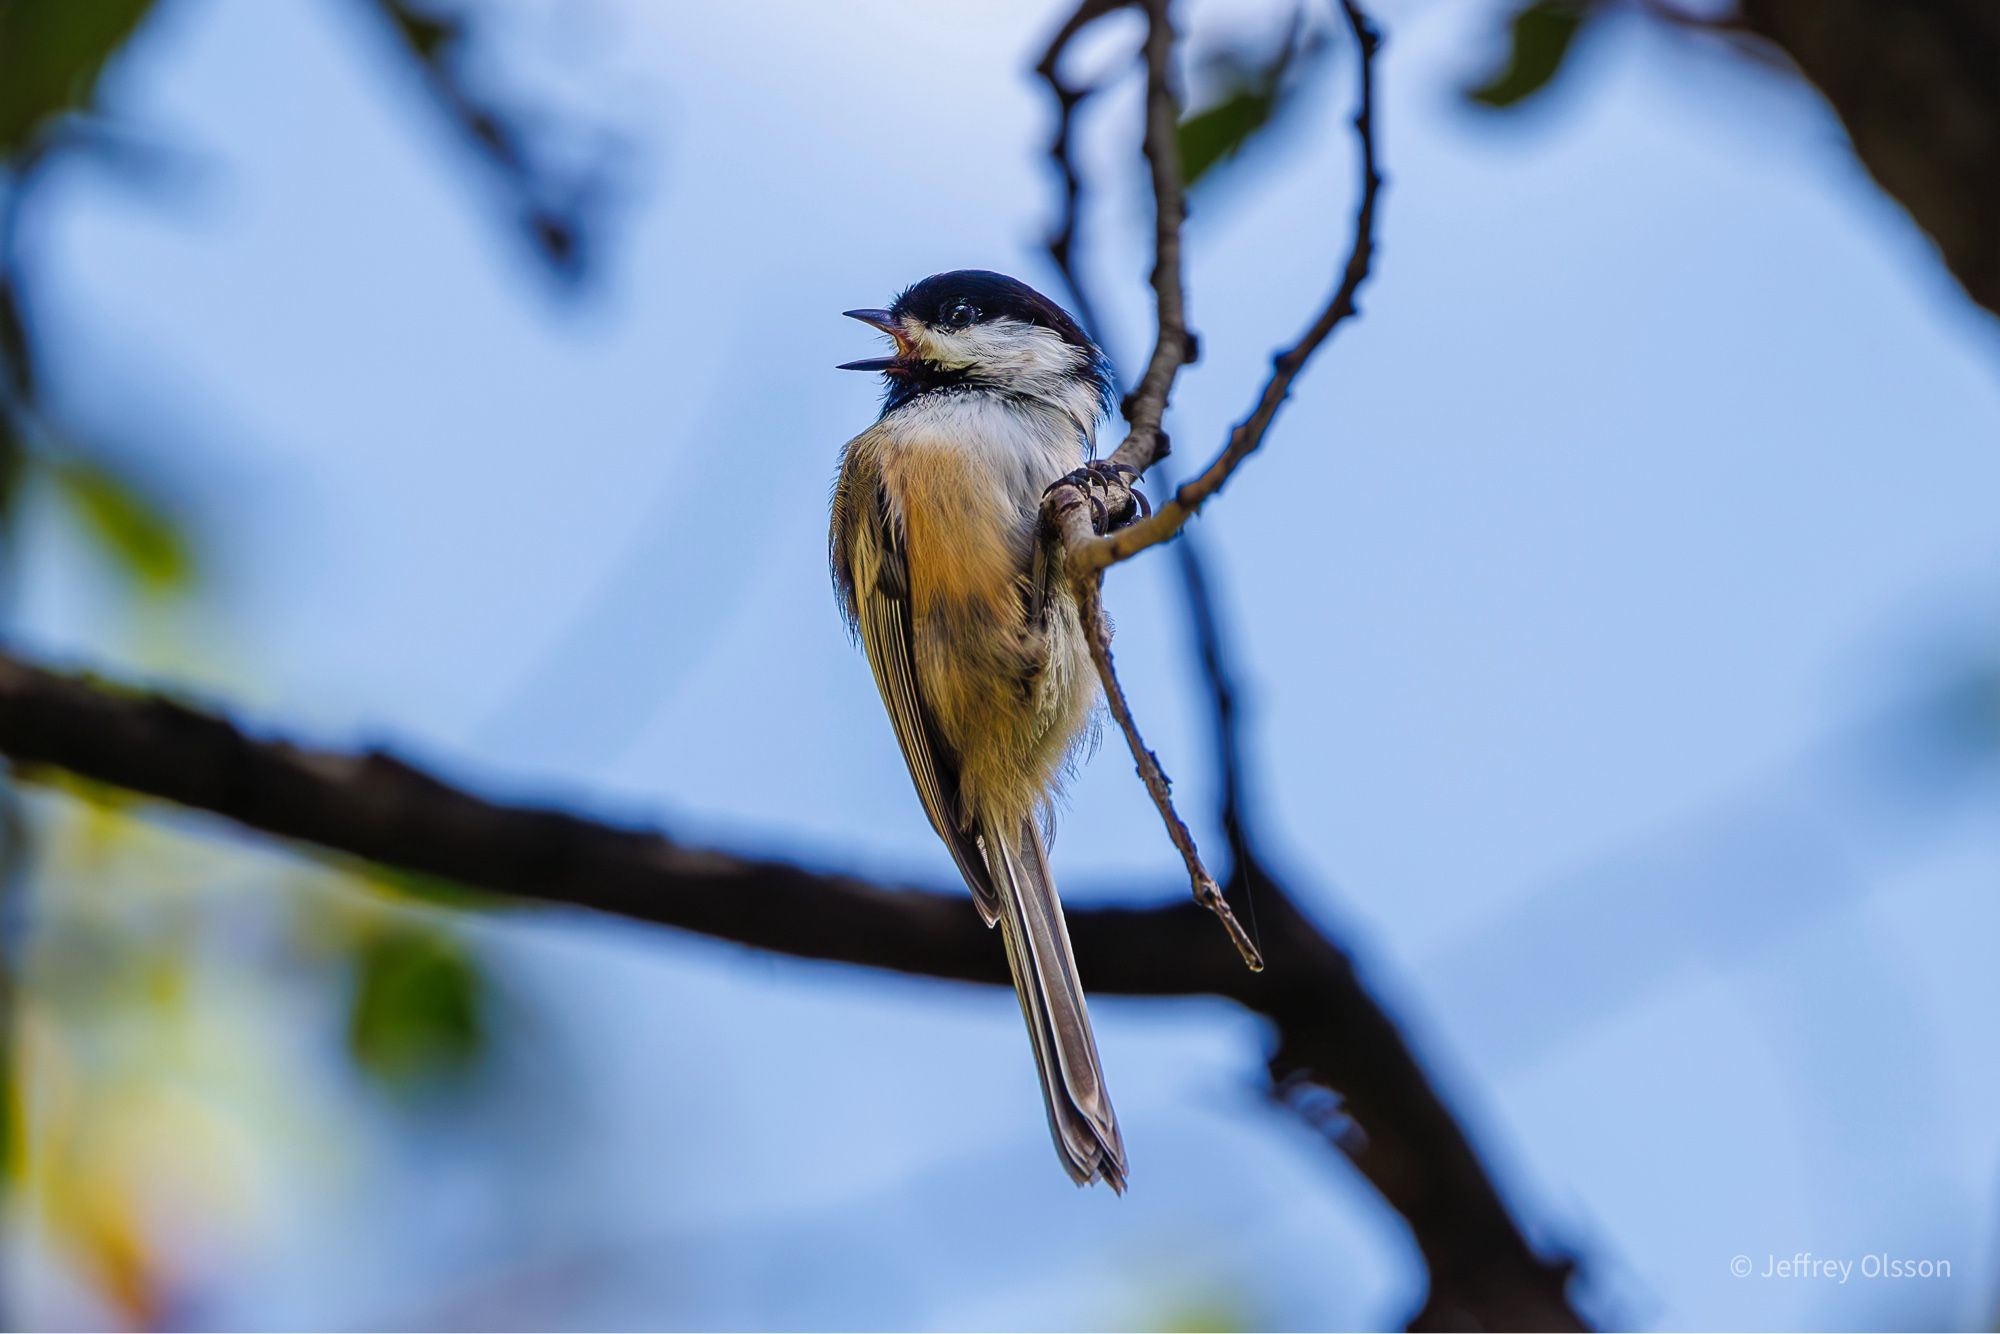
{"x":1067,"y":510}
{"x":1387,"y":1119}
{"x":1068,"y":507}
{"x":1168,"y":520}
{"x":377,"y":807}
{"x":1917,"y":84}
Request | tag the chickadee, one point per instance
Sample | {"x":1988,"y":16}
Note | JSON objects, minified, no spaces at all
{"x":957,"y":594}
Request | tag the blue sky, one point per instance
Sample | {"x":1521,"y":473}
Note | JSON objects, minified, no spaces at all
{"x":1567,"y":591}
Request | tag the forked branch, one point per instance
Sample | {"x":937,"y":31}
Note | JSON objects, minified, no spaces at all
{"x":1102,"y":552}
{"x":1068,"y":509}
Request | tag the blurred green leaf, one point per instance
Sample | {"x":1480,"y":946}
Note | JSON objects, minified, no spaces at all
{"x":419,"y":1007}
{"x":433,"y":890}
{"x":51,"y":52}
{"x":1215,"y":1312}
{"x":126,"y":522}
{"x":1252,"y":93}
{"x":13,"y":1116}
{"x":15,"y":859}
{"x":1541,"y":36}
{"x":96,"y":795}
{"x":1221,"y":130}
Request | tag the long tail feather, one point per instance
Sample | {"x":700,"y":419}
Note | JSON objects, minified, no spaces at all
{"x":1031,"y":920}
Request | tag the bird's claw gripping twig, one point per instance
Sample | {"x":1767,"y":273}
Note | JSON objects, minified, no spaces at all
{"x":1121,"y":501}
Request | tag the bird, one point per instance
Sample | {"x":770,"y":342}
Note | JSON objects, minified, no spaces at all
{"x":954,"y":588}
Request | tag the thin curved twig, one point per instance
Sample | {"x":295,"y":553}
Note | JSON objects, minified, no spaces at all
{"x":1069,"y":509}
{"x":1100,"y":553}
{"x":1069,"y":99}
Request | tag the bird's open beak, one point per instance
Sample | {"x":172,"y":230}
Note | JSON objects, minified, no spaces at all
{"x":888,"y":324}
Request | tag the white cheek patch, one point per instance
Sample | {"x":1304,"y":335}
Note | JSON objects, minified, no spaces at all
{"x":1020,"y":358}
{"x":1001,"y":349}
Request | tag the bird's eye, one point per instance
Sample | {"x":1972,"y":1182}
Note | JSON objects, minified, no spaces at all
{"x":958,"y":314}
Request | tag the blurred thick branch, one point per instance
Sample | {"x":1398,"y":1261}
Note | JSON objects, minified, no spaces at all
{"x":558,"y":211}
{"x":1917,"y":84}
{"x":1387,"y":1118}
{"x":376,"y":807}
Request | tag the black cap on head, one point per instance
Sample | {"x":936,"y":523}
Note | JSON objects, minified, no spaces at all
{"x":943,"y":299}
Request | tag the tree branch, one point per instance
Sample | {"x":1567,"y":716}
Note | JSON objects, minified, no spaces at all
{"x":1917,"y":84}
{"x":1101,"y":552}
{"x":1174,"y":346}
{"x":1483,"y":1273}
{"x":1068,"y":508}
{"x":1392,"y":1124}
{"x":1069,"y":99}
{"x":376,"y":807}
{"x":1206,"y":891}
{"x":1062,"y":249}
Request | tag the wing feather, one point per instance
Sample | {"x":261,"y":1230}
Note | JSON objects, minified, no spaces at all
{"x":880,"y":582}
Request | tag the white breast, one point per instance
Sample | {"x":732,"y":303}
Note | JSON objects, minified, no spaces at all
{"x":1020,"y":445}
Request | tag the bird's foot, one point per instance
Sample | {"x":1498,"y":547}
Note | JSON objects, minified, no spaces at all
{"x":1113,"y":492}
